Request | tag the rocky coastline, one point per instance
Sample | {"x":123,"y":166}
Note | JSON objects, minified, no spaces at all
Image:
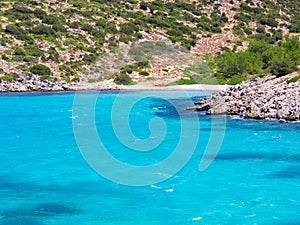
{"x":32,"y":83}
{"x":262,"y":98}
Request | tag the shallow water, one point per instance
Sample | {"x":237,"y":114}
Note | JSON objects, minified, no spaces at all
{"x":255,"y":178}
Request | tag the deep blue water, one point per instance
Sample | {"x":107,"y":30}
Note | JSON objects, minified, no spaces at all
{"x":44,"y":179}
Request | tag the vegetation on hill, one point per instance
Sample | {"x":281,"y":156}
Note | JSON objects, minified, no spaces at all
{"x":260,"y":58}
{"x":68,"y":36}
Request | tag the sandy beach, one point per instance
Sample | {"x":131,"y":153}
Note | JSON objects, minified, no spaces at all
{"x":191,"y":87}
{"x":148,"y":86}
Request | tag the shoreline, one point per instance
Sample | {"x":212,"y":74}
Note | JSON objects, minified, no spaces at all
{"x":137,"y":87}
{"x":190,"y":87}
{"x":34,"y":84}
{"x":207,"y":89}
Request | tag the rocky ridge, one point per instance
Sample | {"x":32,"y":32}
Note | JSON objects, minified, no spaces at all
{"x":262,"y":98}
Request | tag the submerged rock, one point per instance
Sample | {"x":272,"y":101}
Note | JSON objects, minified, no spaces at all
{"x":262,"y":98}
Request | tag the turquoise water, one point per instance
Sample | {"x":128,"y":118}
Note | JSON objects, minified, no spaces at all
{"x":255,"y":178}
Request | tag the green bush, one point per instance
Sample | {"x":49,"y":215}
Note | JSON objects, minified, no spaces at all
{"x":183,"y":81}
{"x":27,"y":23}
{"x":216,"y":30}
{"x":19,"y":51}
{"x":39,"y":13}
{"x":260,"y":29}
{"x":143,"y":64}
{"x":283,"y":59}
{"x":124,"y":79}
{"x":67,"y":79}
{"x":174,"y":32}
{"x":4,"y":57}
{"x":43,"y":29}
{"x":17,"y":31}
{"x":292,"y":47}
{"x":278,"y":35}
{"x":33,"y":50}
{"x":224,"y":18}
{"x":13,"y":29}
{"x":221,"y":79}
{"x":294,"y":79}
{"x":23,"y":68}
{"x":53,"y":55}
{"x":87,"y":27}
{"x":5,"y":40}
{"x":41,"y":70}
{"x":295,"y":25}
{"x":75,"y":79}
{"x":50,"y":19}
{"x":258,"y":46}
{"x":17,"y":58}
{"x":144,"y":73}
{"x":238,"y":30}
{"x":128,"y":28}
{"x":128,"y":69}
{"x":89,"y":58}
{"x":264,"y":37}
{"x":75,"y":25}
{"x":143,"y":6}
{"x":230,"y":64}
{"x":242,"y":17}
{"x":101,"y":23}
{"x":188,"y":43}
{"x":236,"y":79}
{"x":59,"y":27}
{"x":110,"y":28}
{"x":248,"y":30}
{"x":175,"y":39}
{"x":9,"y":77}
{"x":281,"y":65}
{"x":124,"y":38}
{"x":269,"y":21}
{"x":21,"y":9}
{"x":68,"y":70}
{"x":30,"y":59}
{"x":150,"y":78}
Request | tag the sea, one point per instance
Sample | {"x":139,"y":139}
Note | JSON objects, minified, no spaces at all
{"x":139,"y":157}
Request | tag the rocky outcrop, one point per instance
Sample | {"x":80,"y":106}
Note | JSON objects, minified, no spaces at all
{"x":32,"y":83}
{"x":262,"y":98}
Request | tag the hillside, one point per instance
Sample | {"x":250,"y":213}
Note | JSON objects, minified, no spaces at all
{"x":66,"y":41}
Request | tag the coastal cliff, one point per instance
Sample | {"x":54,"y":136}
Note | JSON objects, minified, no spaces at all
{"x":262,"y":98}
